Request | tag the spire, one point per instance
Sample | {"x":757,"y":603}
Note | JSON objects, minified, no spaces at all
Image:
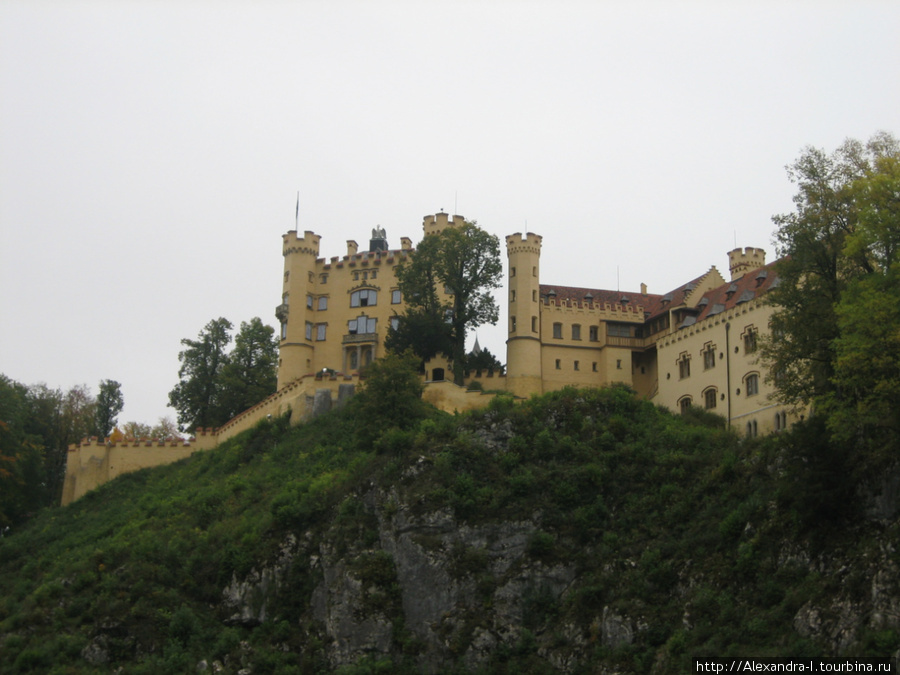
{"x":476,"y":350}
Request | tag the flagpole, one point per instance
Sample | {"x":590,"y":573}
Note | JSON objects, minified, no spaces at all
{"x":297,"y":213}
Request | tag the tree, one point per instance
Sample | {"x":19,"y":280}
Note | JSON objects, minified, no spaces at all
{"x":483,"y":360}
{"x":196,"y":397}
{"x":835,"y":326}
{"x":251,"y":373}
{"x":449,"y":279}
{"x":108,"y":406}
{"x":390,"y":397}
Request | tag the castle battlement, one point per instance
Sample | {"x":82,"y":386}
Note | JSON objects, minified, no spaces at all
{"x":308,"y":243}
{"x":527,"y":243}
{"x":741,"y":261}
{"x":440,"y":221}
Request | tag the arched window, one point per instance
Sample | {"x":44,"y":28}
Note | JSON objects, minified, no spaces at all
{"x":684,"y":404}
{"x":710,"y":397}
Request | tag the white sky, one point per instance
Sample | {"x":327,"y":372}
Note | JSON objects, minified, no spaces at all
{"x":151,"y":152}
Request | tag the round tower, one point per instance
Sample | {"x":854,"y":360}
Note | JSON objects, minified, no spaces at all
{"x":523,"y":347}
{"x":741,"y":261}
{"x":295,"y":311}
{"x":439,"y":222}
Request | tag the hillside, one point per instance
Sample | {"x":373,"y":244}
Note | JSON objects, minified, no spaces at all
{"x":584,"y":531}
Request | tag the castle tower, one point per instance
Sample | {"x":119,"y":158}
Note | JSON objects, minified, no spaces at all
{"x":295,"y":311}
{"x":439,"y":222}
{"x":523,"y":347}
{"x":742,"y":261}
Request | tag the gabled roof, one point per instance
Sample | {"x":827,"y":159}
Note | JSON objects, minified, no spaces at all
{"x":753,"y":284}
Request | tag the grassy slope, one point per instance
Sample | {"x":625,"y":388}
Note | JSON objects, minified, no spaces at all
{"x":660,"y":516}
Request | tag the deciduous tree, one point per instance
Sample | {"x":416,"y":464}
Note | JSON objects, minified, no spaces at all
{"x":251,"y":373}
{"x":197,"y":396}
{"x":108,"y":406}
{"x":449,"y":279}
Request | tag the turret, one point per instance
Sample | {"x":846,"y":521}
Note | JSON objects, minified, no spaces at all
{"x":293,"y":313}
{"x":523,"y":346}
{"x":439,"y":222}
{"x":742,"y":261}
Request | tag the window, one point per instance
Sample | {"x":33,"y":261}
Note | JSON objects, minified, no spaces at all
{"x":618,"y":329}
{"x":684,"y":366}
{"x":309,"y":330}
{"x":323,"y":278}
{"x":577,"y":366}
{"x":323,"y":304}
{"x":684,"y":405}
{"x":752,"y":384}
{"x":558,"y":364}
{"x":618,"y":364}
{"x":710,"y":397}
{"x":361,"y":325}
{"x":512,"y":295}
{"x":512,"y":271}
{"x":750,"y":341}
{"x":751,"y":429}
{"x":396,"y":297}
{"x":594,"y":366}
{"x":284,"y":330}
{"x":534,"y":296}
{"x":309,"y":302}
{"x":557,"y":330}
{"x":395,"y":323}
{"x":534,"y":271}
{"x":363,"y":298}
{"x":534,"y":324}
{"x":576,"y":331}
{"x":320,"y":331}
{"x":512,"y":324}
{"x":709,"y":357}
{"x":594,"y":333}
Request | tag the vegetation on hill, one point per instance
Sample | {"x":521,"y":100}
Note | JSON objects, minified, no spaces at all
{"x":582,"y":531}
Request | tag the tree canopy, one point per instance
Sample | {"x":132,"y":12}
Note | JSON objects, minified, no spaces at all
{"x":215,"y":385}
{"x":447,"y":288}
{"x":836,"y":328}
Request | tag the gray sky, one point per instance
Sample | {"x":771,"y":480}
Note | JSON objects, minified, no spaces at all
{"x":151,"y":152}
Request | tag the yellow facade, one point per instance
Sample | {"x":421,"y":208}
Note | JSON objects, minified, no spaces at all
{"x":335,"y":312}
{"x":695,"y":346}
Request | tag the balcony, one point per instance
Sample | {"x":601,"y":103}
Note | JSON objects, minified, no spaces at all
{"x":360,"y":338}
{"x":281,"y":312}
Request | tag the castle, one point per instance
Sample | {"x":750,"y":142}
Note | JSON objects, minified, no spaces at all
{"x":693,"y":346}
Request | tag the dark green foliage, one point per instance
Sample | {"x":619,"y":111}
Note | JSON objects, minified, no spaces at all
{"x":109,"y":404}
{"x":676,"y":522}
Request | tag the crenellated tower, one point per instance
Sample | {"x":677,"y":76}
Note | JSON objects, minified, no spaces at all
{"x":741,"y":261}
{"x":523,"y":347}
{"x":439,"y":222}
{"x":295,"y":311}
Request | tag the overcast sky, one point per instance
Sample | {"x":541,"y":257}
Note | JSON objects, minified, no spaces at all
{"x":151,"y":152}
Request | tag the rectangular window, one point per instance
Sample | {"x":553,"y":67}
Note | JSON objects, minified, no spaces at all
{"x":395,"y":323}
{"x":684,"y":367}
{"x":363,"y":298}
{"x":750,"y":341}
{"x":512,"y":271}
{"x":709,"y":358}
{"x":396,"y":297}
{"x":594,"y":333}
{"x":710,"y":399}
{"x":685,"y":404}
{"x":512,"y":295}
{"x":284,"y":330}
{"x":752,"y":385}
{"x":309,"y":330}
{"x":534,"y":324}
{"x":557,"y":331}
{"x":320,"y":331}
{"x":309,"y":302}
{"x":323,"y":304}
{"x":576,"y":331}
{"x":594,"y":366}
{"x":558,"y":364}
{"x":512,"y":324}
{"x":576,"y":365}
